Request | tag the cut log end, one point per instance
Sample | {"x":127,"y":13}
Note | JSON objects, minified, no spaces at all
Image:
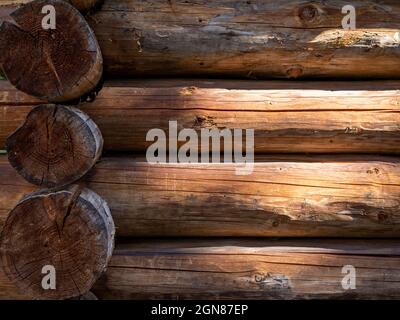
{"x":55,"y":146}
{"x":66,"y":234}
{"x":55,"y":64}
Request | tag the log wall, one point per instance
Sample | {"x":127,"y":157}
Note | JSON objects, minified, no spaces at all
{"x":242,"y":269}
{"x":283,"y":197}
{"x":287,"y":117}
{"x":256,"y":39}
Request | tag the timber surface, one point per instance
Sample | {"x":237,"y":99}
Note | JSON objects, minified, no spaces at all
{"x":287,"y":117}
{"x":246,"y":269}
{"x":285,"y":196}
{"x":252,"y":39}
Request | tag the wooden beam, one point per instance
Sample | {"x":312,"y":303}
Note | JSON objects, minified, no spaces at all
{"x":283,"y":197}
{"x":256,"y":39}
{"x":287,"y":117}
{"x":247,"y":269}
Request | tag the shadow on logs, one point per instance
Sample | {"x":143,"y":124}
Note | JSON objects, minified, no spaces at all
{"x":55,"y":146}
{"x":70,"y":230}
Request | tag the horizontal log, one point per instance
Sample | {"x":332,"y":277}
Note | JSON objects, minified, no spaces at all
{"x":282,"y":197}
{"x":241,"y":269}
{"x":285,"y":38}
{"x":287,"y":117}
{"x":256,"y":39}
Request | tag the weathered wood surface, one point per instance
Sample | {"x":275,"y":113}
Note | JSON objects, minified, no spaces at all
{"x":241,"y":269}
{"x":331,"y":117}
{"x":70,"y":230}
{"x":55,"y":146}
{"x":250,"y":269}
{"x":284,"y":196}
{"x":285,"y":38}
{"x":58,"y":64}
{"x":254,"y":39}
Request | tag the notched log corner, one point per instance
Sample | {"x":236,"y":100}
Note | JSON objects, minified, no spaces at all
{"x":69,"y":229}
{"x":57,"y":64}
{"x":55,"y":146}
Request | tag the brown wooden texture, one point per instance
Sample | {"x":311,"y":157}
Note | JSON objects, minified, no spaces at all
{"x":58,"y":64}
{"x":246,"y":269}
{"x":55,"y":146}
{"x":71,"y":230}
{"x":232,"y":269}
{"x":284,"y":196}
{"x":283,"y":38}
{"x":287,"y":117}
{"x":253,"y":39}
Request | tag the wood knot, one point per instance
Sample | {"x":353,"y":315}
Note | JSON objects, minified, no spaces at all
{"x":294,"y":72}
{"x":308,"y":13}
{"x":375,"y":170}
{"x":353,"y":130}
{"x":204,"y":122}
{"x":272,"y":280}
{"x":382,"y":216}
{"x":187,"y":91}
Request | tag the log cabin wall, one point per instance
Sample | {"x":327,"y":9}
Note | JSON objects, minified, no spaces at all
{"x":324,"y":106}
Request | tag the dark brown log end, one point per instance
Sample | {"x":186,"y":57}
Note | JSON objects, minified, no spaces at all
{"x":56,"y":65}
{"x":70,"y":230}
{"x":55,"y":146}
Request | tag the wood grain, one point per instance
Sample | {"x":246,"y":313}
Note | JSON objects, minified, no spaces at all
{"x":59,"y":64}
{"x":287,"y":117}
{"x":70,"y":230}
{"x":283,"y":197}
{"x":55,"y":146}
{"x":247,"y":269}
{"x":252,"y":39}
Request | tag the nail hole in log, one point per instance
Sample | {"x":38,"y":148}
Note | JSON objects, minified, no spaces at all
{"x":71,"y":230}
{"x":56,"y":65}
{"x":55,"y":146}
